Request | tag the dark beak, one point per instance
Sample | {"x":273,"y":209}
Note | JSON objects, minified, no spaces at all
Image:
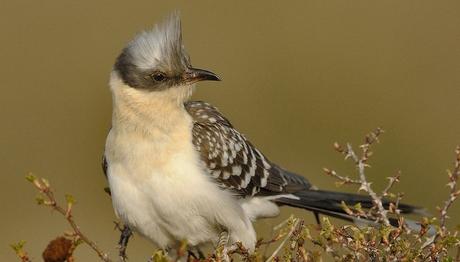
{"x":193,"y":75}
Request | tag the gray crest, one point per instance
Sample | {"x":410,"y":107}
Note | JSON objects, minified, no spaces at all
{"x":154,"y":54}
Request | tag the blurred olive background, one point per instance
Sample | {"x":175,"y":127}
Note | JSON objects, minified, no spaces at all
{"x":298,"y":76}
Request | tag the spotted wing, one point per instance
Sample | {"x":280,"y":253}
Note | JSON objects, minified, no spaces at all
{"x":233,"y":161}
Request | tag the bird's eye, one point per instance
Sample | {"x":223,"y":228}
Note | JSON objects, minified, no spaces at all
{"x":159,"y":76}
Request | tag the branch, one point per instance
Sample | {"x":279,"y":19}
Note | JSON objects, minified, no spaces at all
{"x":44,"y":188}
{"x":19,"y":250}
{"x":291,"y":232}
{"x":454,"y":193}
{"x":343,"y":179}
{"x":366,"y":186}
{"x":361,"y":164}
{"x":442,"y":233}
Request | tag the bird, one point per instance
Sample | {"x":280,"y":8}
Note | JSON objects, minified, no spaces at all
{"x":178,"y":169}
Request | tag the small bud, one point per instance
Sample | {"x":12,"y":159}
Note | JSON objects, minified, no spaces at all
{"x":70,"y":199}
{"x":338,"y":147}
{"x":17,"y":247}
{"x":37,"y":184}
{"x":45,"y":182}
{"x":358,"y":207}
{"x":69,"y":234}
{"x":392,"y":208}
{"x":391,"y":195}
{"x":40,"y":200}
{"x":78,"y":242}
{"x":346,"y":208}
{"x":30,"y":177}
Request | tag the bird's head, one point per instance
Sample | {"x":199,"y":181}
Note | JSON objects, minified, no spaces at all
{"x":156,"y":61}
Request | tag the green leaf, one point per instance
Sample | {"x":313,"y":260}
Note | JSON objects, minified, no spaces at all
{"x":346,"y":208}
{"x":30,"y":177}
{"x":327,"y":228}
{"x":385,"y":233}
{"x":17,"y":247}
{"x":40,"y":200}
{"x":70,"y":199}
{"x":159,"y":256}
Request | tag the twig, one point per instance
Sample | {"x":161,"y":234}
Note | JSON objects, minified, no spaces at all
{"x":457,"y":257}
{"x":274,"y":237}
{"x":361,"y":163}
{"x":343,"y":179}
{"x":366,"y":186}
{"x":434,"y":252}
{"x":454,"y":193}
{"x":19,"y":250}
{"x":277,"y":250}
{"x":43,"y":187}
{"x":391,"y":183}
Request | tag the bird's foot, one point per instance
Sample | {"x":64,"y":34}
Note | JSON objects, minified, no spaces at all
{"x":126,"y":233}
{"x":192,"y":256}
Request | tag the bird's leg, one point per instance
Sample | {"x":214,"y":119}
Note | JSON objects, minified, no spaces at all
{"x":192,"y":254}
{"x":222,"y":247}
{"x":126,"y":233}
{"x":317,"y":218}
{"x":201,"y":255}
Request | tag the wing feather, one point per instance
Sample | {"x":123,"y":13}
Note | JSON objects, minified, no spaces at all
{"x":233,"y":161}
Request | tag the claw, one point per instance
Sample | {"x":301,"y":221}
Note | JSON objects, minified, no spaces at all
{"x":126,"y":233}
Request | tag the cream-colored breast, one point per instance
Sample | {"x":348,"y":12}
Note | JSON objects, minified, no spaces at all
{"x":160,"y":188}
{"x":158,"y":183}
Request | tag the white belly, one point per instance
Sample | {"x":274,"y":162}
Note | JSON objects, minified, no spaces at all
{"x":160,"y":189}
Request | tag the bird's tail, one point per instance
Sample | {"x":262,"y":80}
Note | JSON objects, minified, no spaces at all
{"x":330,"y":203}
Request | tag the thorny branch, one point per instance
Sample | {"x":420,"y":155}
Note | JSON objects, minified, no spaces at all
{"x":434,"y":245}
{"x":442,"y":233}
{"x":454,"y":192}
{"x":47,"y":198}
{"x":343,"y":179}
{"x":294,"y":226}
{"x":366,"y":186}
{"x":361,"y":164}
